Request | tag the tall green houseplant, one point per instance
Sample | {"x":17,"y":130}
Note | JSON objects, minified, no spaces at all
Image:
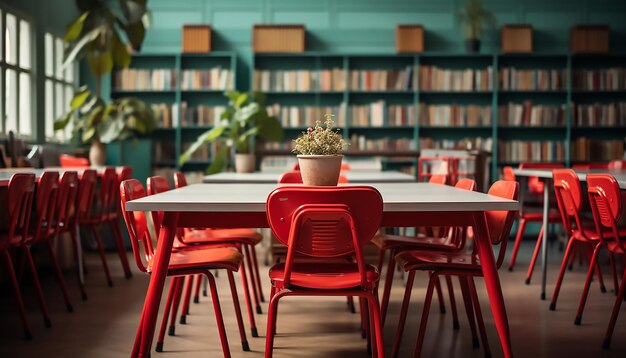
{"x":475,"y":20}
{"x":244,"y":119}
{"x":102,"y":35}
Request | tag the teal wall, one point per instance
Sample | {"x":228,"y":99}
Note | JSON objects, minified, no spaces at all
{"x":367,"y":26}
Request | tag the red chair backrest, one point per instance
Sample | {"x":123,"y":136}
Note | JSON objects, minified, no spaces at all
{"x":45,"y":202}
{"x":155,"y":185}
{"x":125,"y":173}
{"x":21,"y":190}
{"x":136,"y":223}
{"x":324,"y":222}
{"x":108,"y":186}
{"x":438,"y":179}
{"x":568,"y":194}
{"x":68,"y":190}
{"x":66,"y":160}
{"x":466,"y":183}
{"x":534,"y":185}
{"x":86,"y":192}
{"x":617,"y":165}
{"x":508,"y":174}
{"x":295,"y":177}
{"x":605,"y":199}
{"x":344,"y":166}
{"x":499,"y":223}
{"x":179,"y":180}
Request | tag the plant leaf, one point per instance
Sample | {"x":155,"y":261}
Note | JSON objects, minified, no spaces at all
{"x":100,"y":64}
{"x":219,"y":161}
{"x":271,"y":130}
{"x":80,"y":44}
{"x":135,"y":33}
{"x":88,"y":134}
{"x":121,"y":57}
{"x":62,"y":122}
{"x":74,"y":29}
{"x":80,"y":98}
{"x":206,"y":137}
{"x":111,"y":130}
{"x":241,"y":99}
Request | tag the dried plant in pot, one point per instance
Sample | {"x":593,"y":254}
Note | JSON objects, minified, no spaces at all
{"x":319,"y":152}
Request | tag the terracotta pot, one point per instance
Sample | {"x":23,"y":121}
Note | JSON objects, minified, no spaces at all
{"x":97,"y":153}
{"x":320,"y":169}
{"x":244,"y":163}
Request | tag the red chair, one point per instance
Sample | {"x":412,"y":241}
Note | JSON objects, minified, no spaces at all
{"x":527,"y":216}
{"x":591,"y":165}
{"x":19,"y":204}
{"x":294,"y":177}
{"x":182,"y":263}
{"x":438,"y":179}
{"x":66,"y":160}
{"x":457,"y":263}
{"x":606,"y":206}
{"x":324,"y":223}
{"x":344,"y":167}
{"x":617,"y":165}
{"x":568,"y":194}
{"x":193,"y":239}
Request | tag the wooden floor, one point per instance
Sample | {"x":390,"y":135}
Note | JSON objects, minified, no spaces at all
{"x":105,"y":325}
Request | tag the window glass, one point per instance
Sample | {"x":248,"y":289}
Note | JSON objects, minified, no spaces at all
{"x":58,"y":48}
{"x":49,"y":109}
{"x":25,"y":44}
{"x":25,"y":123}
{"x":49,"y":54}
{"x":1,"y":37}
{"x":10,"y":96}
{"x":10,"y":39}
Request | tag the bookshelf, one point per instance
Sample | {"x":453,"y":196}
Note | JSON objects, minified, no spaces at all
{"x":186,"y":92}
{"x":518,"y":106}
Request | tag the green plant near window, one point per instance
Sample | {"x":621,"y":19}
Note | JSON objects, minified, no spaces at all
{"x":476,"y":20}
{"x":102,"y":35}
{"x":244,"y":118}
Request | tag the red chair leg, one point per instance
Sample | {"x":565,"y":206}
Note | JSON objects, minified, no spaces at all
{"x":618,"y":303}
{"x":271,"y":325}
{"x":246,"y":295}
{"x":469,"y":310}
{"x":613,"y":272}
{"x":178,"y":292}
{"x":121,"y":249}
{"x":403,"y":311}
{"x":391,"y":266}
{"x":559,"y":280}
{"x":364,"y":318}
{"x":381,"y":258}
{"x":533,"y":259}
{"x":377,"y":345}
{"x":233,"y":292}
{"x":425,"y":311}
{"x":573,"y":256}
{"x":518,"y":240}
{"x":166,"y":312}
{"x":442,"y":305}
{"x":255,"y":294}
{"x":255,"y":266}
{"x":18,"y":294}
{"x":196,"y":294}
{"x":75,"y":248}
{"x":59,"y":274}
{"x":479,"y":316}
{"x":583,"y":299}
{"x":218,"y":315}
{"x":40,"y":297}
{"x":186,"y":299}
{"x":455,"y":317}
{"x":105,"y":265}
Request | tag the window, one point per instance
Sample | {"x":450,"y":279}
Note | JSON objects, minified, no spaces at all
{"x":16,"y":75}
{"x":59,"y":87}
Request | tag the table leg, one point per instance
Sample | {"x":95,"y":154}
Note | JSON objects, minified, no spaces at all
{"x":157,"y":281}
{"x":492,"y":281}
{"x":544,"y":243}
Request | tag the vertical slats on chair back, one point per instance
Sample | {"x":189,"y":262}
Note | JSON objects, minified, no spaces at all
{"x":86,"y":191}
{"x":21,"y":190}
{"x":68,"y":188}
{"x":108,"y":186}
{"x":605,"y":195}
{"x":125,"y":173}
{"x":136,"y":222}
{"x":45,"y":202}
{"x":155,"y":185}
{"x":568,"y":196}
{"x":179,"y":180}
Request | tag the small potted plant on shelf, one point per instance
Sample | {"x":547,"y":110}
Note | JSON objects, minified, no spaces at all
{"x":319,"y":153}
{"x":476,"y":19}
{"x":244,"y":119}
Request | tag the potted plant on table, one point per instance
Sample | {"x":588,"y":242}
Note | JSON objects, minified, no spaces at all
{"x":244,"y":119}
{"x":319,"y":153}
{"x":476,"y":20}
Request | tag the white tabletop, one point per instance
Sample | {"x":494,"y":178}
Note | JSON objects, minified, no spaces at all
{"x":620,"y":176}
{"x":7,"y":173}
{"x":251,"y":198}
{"x":271,"y":178}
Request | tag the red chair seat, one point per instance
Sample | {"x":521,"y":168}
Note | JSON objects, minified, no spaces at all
{"x":437,"y":260}
{"x":323,"y":276}
{"x":214,"y":258}
{"x":591,"y":233}
{"x":388,"y":242}
{"x":245,"y":236}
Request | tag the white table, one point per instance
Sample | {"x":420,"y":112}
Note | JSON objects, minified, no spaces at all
{"x":546,"y":176}
{"x":7,"y":173}
{"x":243,"y":205}
{"x":271,"y":178}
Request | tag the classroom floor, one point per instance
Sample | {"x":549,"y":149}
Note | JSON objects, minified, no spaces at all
{"x":105,"y":325}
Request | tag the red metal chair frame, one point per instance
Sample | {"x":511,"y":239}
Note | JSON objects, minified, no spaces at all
{"x":325,"y":223}
{"x":459,"y":263}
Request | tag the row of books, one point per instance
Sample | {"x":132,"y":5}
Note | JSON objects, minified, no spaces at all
{"x":200,"y":115}
{"x":300,"y":80}
{"x":432,"y":78}
{"x":164,"y":114}
{"x":455,"y":115}
{"x":470,"y":143}
{"x":529,"y":115}
{"x":513,"y":79}
{"x":381,"y":80}
{"x":599,"y":114}
{"x":379,"y":114}
{"x":164,"y":151}
{"x":216,"y":78}
{"x":585,"y":149}
{"x":361,"y":142}
{"x":133,"y":79}
{"x":306,"y":116}
{"x":606,"y":79}
{"x":531,"y":151}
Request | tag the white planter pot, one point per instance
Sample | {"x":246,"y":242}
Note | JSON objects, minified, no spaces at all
{"x":97,"y":153}
{"x":320,"y":170}
{"x":244,"y":163}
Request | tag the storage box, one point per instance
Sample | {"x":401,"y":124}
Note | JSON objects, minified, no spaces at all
{"x":410,"y":38}
{"x":590,"y":38}
{"x":196,"y":38}
{"x":278,"y":38}
{"x":516,"y":38}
